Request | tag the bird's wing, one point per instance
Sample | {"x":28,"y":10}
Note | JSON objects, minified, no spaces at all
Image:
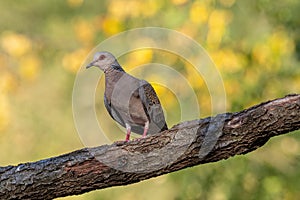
{"x":152,"y":105}
{"x":113,"y":112}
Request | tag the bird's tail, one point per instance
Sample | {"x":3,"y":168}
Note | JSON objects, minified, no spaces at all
{"x":165,"y":127}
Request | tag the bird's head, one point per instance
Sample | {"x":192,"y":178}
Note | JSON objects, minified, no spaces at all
{"x":104,"y":60}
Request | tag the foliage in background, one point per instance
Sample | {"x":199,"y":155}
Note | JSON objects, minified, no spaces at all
{"x":255,"y":45}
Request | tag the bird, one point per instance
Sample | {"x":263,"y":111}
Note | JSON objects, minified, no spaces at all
{"x":130,"y":101}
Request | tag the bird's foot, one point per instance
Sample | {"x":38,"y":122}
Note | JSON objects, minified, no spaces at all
{"x":122,"y":142}
{"x":138,"y":139}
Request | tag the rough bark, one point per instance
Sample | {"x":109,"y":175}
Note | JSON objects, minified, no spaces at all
{"x":184,"y":145}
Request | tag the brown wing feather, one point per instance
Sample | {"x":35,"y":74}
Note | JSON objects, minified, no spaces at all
{"x":152,"y":107}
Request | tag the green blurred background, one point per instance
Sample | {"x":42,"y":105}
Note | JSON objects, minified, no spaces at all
{"x":255,"y":45}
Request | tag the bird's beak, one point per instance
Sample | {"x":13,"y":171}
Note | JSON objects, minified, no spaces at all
{"x":90,"y":65}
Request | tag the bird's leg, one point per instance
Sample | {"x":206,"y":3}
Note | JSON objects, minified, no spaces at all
{"x":128,"y":129}
{"x":146,"y":127}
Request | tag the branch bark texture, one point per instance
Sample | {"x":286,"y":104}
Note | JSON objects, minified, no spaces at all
{"x":184,"y":145}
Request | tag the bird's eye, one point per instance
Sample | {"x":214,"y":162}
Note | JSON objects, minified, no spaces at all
{"x":101,"y":57}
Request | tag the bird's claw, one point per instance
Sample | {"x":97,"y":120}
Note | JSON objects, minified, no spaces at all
{"x":138,"y":139}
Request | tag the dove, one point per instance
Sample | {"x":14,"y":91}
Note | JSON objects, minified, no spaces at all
{"x":130,"y":101}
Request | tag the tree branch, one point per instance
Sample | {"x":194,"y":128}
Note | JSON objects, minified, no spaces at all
{"x":184,"y":145}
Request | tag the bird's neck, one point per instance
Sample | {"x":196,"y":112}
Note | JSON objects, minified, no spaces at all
{"x":111,"y":79}
{"x":115,"y":66}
